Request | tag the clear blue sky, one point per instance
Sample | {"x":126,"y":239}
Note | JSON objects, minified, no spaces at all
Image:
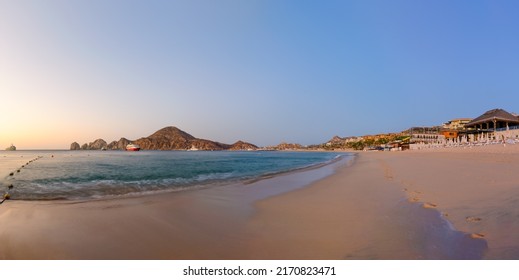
{"x":260,"y":71}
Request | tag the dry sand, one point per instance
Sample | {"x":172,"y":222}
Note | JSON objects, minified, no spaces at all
{"x":441,"y":204}
{"x":477,"y":189}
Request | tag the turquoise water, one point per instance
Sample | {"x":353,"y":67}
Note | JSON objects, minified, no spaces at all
{"x":48,"y":175}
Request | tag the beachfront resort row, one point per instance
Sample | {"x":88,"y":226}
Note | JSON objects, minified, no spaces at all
{"x":495,"y":126}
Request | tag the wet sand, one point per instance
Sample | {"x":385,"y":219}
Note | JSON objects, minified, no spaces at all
{"x":441,"y":204}
{"x":359,"y":213}
{"x":198,"y":224}
{"x":476,"y":189}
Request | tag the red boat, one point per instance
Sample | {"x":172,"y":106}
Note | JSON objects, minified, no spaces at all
{"x":132,"y":147}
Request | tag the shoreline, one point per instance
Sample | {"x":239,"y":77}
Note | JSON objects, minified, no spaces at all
{"x":475,"y":189}
{"x":174,"y":225}
{"x":341,"y":156}
{"x":359,"y":214}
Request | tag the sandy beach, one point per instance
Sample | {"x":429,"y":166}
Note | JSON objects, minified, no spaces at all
{"x":428,"y":204}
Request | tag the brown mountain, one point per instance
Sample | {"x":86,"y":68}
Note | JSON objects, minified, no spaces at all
{"x":170,"y":138}
{"x":242,"y":146}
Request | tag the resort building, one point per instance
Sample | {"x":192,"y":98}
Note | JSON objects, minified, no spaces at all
{"x":456,"y":124}
{"x":425,"y":134}
{"x":494,"y":120}
{"x":450,"y":134}
{"x":425,"y":137}
{"x":493,"y":125}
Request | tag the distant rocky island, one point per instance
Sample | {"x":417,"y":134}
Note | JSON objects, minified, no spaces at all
{"x":168,"y":138}
{"x":11,"y":148}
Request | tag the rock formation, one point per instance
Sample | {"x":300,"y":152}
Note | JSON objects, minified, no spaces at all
{"x":168,"y":138}
{"x":11,"y":148}
{"x":242,"y":146}
{"x":288,"y":147}
{"x":75,"y":146}
{"x":97,"y":145}
{"x":118,"y":145}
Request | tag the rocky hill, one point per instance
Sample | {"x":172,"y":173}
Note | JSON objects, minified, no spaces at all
{"x":118,"y":145}
{"x":287,"y":147}
{"x":168,"y":138}
{"x":242,"y":146}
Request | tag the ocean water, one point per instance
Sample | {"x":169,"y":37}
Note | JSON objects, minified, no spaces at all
{"x":52,"y":175}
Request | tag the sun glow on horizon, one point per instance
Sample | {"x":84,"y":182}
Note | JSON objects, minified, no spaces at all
{"x":262,"y":71}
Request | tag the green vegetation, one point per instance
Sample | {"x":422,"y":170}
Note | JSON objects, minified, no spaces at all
{"x":369,"y":141}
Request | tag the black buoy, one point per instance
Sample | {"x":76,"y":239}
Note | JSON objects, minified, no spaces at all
{"x":18,"y":170}
{"x":10,"y":186}
{"x":11,"y":174}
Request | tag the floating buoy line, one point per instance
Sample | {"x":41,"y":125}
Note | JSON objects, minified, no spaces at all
{"x":7,"y":195}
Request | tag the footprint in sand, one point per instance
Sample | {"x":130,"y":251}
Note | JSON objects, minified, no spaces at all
{"x":477,"y":236}
{"x":388,"y":173}
{"x":428,"y":205}
{"x":473,"y":219}
{"x":413,"y":196}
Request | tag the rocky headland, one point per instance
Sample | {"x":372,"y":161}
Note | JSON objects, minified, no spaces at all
{"x":168,"y":138}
